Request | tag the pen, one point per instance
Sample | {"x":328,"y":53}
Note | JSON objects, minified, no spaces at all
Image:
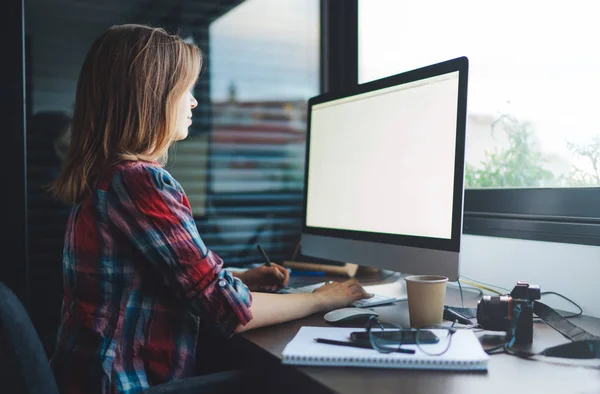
{"x":360,"y":345}
{"x":267,"y":261}
{"x":264,"y":255}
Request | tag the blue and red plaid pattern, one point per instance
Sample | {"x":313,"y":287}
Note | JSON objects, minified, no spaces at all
{"x":137,"y":280}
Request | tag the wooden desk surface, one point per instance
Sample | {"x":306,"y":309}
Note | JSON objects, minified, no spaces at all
{"x":506,"y":374}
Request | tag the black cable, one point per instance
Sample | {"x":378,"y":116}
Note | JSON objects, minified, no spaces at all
{"x":462,"y":303}
{"x":568,"y":299}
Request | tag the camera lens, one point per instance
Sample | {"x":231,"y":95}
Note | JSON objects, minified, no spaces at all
{"x":494,"y":312}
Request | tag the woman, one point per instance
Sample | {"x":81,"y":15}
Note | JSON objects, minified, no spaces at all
{"x":138,"y":277}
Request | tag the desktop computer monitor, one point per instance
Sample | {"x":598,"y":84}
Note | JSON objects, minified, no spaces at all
{"x":384,"y":172}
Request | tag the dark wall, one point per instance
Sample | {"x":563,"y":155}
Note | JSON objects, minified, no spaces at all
{"x":13,"y":265}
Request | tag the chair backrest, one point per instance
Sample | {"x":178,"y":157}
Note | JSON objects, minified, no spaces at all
{"x":24,"y":367}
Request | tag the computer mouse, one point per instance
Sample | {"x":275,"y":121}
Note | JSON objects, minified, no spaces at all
{"x":348,"y":314}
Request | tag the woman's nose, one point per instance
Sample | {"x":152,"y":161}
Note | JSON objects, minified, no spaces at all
{"x":193,"y":102}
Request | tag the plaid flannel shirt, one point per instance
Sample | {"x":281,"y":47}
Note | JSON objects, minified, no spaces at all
{"x":137,"y":280}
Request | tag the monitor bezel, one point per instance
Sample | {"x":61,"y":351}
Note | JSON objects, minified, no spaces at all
{"x":461,"y":65}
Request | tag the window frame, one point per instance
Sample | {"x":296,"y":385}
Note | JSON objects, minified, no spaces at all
{"x":564,"y":215}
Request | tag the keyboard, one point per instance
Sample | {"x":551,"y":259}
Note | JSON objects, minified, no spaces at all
{"x":376,"y":300}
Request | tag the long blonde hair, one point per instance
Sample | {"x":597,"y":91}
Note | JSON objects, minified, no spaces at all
{"x":126,"y":102}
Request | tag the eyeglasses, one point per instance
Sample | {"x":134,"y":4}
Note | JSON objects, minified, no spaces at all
{"x":431,"y":340}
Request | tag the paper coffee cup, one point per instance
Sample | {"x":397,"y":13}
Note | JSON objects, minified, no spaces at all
{"x":426,"y":295}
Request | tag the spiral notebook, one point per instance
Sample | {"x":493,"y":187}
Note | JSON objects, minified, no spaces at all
{"x":465,"y":352}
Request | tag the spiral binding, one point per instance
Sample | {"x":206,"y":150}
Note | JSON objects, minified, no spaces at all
{"x":380,"y":362}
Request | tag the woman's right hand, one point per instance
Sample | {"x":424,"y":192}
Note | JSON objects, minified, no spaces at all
{"x":334,"y":295}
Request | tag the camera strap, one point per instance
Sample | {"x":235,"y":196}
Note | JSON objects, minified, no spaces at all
{"x":560,"y":324}
{"x":584,"y":345}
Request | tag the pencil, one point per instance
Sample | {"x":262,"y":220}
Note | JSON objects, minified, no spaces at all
{"x":264,"y":255}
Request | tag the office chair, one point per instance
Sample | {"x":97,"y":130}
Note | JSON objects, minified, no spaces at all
{"x":24,"y":367}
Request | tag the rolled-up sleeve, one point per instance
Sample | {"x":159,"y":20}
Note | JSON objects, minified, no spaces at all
{"x":152,"y":211}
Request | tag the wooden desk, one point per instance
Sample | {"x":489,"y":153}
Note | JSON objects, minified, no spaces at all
{"x":506,"y":374}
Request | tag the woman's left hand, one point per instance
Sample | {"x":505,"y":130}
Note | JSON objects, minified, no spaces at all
{"x":265,"y":279}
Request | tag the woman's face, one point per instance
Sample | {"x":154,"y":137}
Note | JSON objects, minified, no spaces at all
{"x":184,"y":115}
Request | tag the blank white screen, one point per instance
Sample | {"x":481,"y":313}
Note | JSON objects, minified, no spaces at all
{"x":384,"y":161}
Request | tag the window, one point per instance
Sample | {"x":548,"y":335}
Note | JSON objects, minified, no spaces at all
{"x":263,"y":66}
{"x":533,"y":139}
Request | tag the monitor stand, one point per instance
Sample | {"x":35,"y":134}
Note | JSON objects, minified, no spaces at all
{"x":374,"y":276}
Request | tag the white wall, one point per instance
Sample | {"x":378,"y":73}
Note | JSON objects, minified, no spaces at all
{"x":572,"y":270}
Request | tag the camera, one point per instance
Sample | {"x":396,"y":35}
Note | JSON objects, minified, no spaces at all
{"x":502,"y":313}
